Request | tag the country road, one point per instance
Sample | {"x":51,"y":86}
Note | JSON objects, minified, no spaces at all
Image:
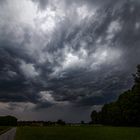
{"x":9,"y":135}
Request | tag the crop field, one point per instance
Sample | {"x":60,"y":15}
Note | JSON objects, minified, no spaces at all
{"x":77,"y":133}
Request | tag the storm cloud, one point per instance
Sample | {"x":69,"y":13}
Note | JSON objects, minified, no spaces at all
{"x":66,"y":55}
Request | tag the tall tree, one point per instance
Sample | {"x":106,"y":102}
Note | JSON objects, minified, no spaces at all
{"x":125,"y":111}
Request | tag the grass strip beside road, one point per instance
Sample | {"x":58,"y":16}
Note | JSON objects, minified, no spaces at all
{"x":4,"y":129}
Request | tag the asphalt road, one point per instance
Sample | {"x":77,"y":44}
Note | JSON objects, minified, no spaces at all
{"x":9,"y":135}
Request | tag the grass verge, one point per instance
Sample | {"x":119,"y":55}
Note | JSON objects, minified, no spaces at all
{"x":4,"y":129}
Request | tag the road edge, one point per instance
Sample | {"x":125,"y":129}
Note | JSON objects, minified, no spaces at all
{"x":4,"y":131}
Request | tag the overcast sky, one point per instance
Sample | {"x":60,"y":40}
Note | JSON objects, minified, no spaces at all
{"x":64,"y":58}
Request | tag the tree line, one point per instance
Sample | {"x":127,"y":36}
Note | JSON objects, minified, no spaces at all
{"x":123,"y":112}
{"x":41,"y":123}
{"x":8,"y":121}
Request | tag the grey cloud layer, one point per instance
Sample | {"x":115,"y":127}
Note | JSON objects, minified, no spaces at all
{"x":82,"y":60}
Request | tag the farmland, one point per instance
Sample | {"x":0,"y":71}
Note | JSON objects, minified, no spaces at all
{"x":78,"y":133}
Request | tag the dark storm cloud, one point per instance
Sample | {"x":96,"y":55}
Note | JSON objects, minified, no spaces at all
{"x":42,"y":3}
{"x":14,"y":86}
{"x":92,"y":88}
{"x":85,"y":62}
{"x":3,"y":1}
{"x":69,"y":87}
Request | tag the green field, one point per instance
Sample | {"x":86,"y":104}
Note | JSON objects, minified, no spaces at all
{"x":78,"y":133}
